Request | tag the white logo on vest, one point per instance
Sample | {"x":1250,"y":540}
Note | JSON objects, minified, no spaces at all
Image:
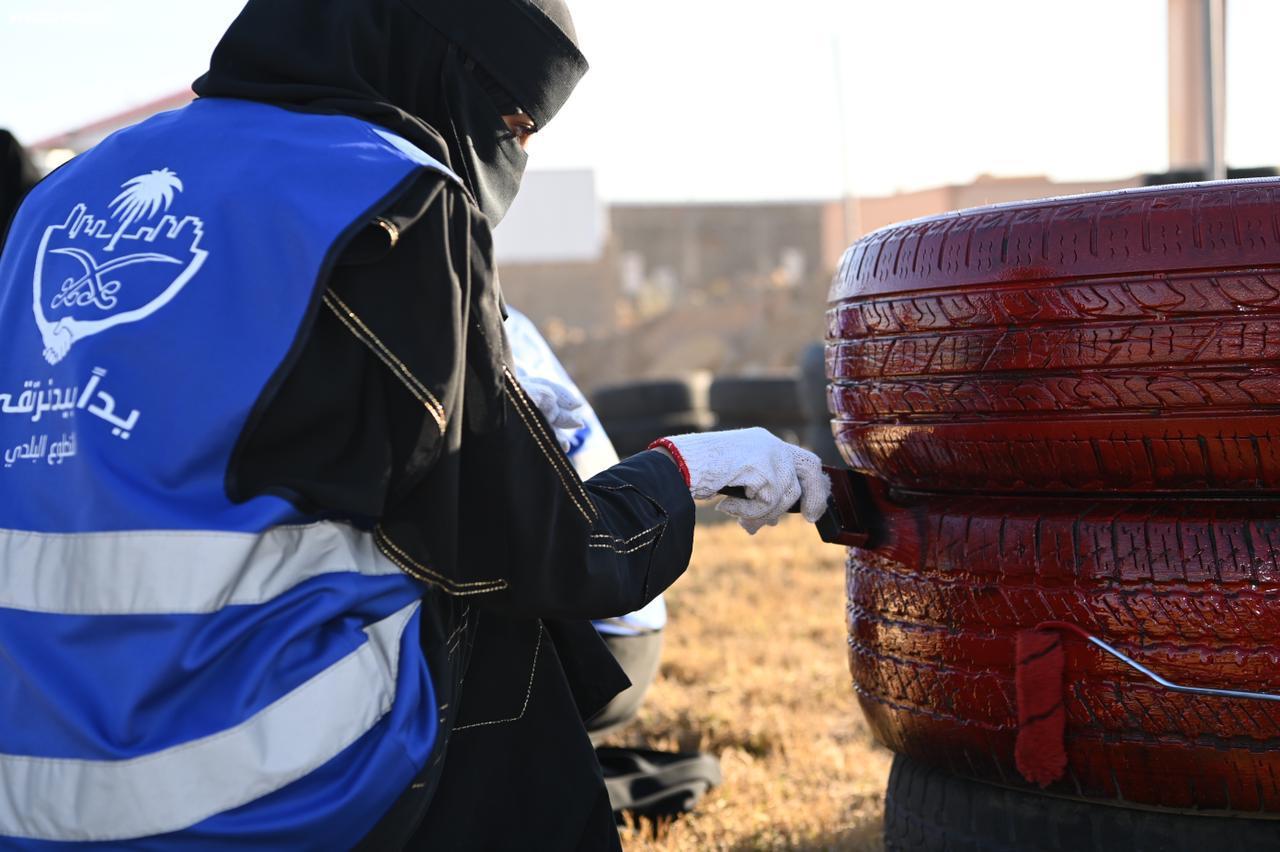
{"x":95,"y":292}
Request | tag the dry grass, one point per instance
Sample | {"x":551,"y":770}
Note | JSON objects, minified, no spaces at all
{"x":754,"y":671}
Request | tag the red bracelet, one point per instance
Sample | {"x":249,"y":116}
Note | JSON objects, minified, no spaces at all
{"x":675,"y":454}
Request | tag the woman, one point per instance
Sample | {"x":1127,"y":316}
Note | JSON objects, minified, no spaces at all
{"x":17,"y":176}
{"x":291,"y":560}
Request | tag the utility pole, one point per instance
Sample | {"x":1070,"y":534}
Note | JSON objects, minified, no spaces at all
{"x":848,"y":205}
{"x":1197,"y":86}
{"x":1215,"y":86}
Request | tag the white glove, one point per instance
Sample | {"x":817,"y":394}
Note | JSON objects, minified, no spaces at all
{"x":774,"y":474}
{"x":559,"y":405}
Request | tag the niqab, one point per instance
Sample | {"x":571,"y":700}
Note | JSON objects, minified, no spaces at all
{"x":410,"y":66}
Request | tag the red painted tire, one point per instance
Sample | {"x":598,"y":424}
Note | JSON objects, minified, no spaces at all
{"x":1124,"y":342}
{"x":1189,"y":588}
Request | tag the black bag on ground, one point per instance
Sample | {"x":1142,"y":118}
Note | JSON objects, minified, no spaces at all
{"x":654,"y":783}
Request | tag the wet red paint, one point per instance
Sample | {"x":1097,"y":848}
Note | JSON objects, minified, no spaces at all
{"x":1073,"y":412}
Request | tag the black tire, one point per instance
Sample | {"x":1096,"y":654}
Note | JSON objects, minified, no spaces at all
{"x":771,"y":402}
{"x":813,"y":385}
{"x":653,"y":399}
{"x":818,"y":439}
{"x":927,"y":810}
{"x":634,"y":434}
{"x":752,"y":398}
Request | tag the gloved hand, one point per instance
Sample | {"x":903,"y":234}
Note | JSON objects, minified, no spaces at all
{"x":773,"y":473}
{"x":559,"y":405}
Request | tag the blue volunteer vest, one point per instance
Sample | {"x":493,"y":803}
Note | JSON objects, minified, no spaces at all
{"x":178,"y":671}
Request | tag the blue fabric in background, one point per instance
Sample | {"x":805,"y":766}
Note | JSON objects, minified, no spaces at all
{"x":590,"y":449}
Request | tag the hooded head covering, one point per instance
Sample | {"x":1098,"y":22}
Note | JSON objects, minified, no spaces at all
{"x":17,"y":175}
{"x":427,"y":70}
{"x":528,"y":46}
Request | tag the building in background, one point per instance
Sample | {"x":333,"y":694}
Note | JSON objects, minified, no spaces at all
{"x":56,"y":150}
{"x":590,"y":274}
{"x":557,"y":217}
{"x":720,"y":248}
{"x":585,"y":270}
{"x":653,"y":258}
{"x":555,"y":257}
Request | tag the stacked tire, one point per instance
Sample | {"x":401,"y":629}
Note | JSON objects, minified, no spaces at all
{"x":1071,"y":407}
{"x":770,"y":401}
{"x":637,"y":413}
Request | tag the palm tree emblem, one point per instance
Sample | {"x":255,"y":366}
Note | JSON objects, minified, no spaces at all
{"x":143,"y":196}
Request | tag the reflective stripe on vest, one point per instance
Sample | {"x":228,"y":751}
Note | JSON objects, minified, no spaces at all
{"x":166,"y":572}
{"x":168,"y":790}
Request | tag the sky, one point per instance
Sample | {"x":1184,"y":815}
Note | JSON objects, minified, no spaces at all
{"x":745,"y":99}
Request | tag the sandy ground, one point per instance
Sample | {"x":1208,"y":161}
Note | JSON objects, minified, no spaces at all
{"x":754,"y":671}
